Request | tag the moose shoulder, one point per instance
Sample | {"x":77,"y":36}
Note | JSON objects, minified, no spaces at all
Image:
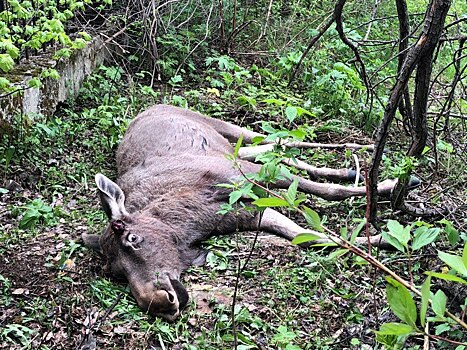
{"x":166,"y":199}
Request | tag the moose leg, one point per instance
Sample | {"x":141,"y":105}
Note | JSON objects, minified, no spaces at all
{"x":250,"y":153}
{"x":230,"y":131}
{"x":233,"y":132}
{"x":274,"y":222}
{"x":328,"y":191}
{"x":336,"y":192}
{"x":333,"y":192}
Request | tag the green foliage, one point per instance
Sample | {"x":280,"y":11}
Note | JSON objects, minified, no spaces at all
{"x":6,"y":62}
{"x":36,"y":212}
{"x":403,"y":305}
{"x":5,"y":285}
{"x":11,"y":332}
{"x":284,"y":339}
{"x":27,"y":28}
{"x":398,"y":236}
{"x":457,"y":263}
{"x":401,"y":302}
{"x":51,"y":144}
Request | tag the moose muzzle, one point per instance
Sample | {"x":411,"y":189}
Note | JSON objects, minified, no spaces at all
{"x":162,"y":298}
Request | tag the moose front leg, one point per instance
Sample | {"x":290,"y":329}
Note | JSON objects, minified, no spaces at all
{"x":274,"y":222}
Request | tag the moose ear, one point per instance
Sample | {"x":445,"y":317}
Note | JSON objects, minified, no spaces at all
{"x":112,"y":197}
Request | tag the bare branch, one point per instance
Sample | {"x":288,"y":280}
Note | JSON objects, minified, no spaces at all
{"x":340,"y":29}
{"x":312,"y":42}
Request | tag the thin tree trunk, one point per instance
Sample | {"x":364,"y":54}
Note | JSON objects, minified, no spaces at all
{"x":405,"y":106}
{"x":422,"y":50}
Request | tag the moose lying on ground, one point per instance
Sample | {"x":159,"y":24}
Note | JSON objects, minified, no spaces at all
{"x":166,"y":201}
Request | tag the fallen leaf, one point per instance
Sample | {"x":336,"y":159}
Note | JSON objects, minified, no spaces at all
{"x":20,"y":291}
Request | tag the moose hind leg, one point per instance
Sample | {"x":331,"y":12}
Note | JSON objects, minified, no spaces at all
{"x":276,"y":223}
{"x":250,"y":154}
{"x":230,"y":131}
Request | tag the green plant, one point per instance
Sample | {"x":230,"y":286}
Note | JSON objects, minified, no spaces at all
{"x":399,"y":236}
{"x":12,"y":332}
{"x":284,"y":339}
{"x":27,"y":28}
{"x":5,"y":285}
{"x":403,"y":305}
{"x":36,"y":212}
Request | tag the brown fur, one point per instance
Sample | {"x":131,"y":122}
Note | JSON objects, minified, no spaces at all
{"x":169,"y":164}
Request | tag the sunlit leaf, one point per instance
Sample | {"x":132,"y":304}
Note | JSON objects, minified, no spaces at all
{"x":401,"y":302}
{"x":270,"y":202}
{"x":4,"y":82}
{"x":394,"y":328}
{"x":34,"y":83}
{"x":305,"y":237}
{"x":291,"y":113}
{"x":6,"y":62}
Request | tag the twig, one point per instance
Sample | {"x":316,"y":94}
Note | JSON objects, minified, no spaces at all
{"x":373,"y":15}
{"x":340,"y":29}
{"x":199,"y":43}
{"x":14,"y":92}
{"x":312,"y":42}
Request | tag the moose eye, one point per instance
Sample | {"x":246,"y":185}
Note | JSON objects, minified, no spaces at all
{"x":132,"y":238}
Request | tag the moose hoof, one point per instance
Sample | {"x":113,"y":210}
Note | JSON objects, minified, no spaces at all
{"x":352,"y":174}
{"x":413,"y":182}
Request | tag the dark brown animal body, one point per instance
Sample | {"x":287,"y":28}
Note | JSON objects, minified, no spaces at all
{"x":166,"y":200}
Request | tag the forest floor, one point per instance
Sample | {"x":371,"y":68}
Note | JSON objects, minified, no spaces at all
{"x":55,"y":295}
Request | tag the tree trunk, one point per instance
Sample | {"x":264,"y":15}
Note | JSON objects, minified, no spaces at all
{"x":421,"y":51}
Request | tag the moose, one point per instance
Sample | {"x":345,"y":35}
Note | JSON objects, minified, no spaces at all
{"x":166,"y":199}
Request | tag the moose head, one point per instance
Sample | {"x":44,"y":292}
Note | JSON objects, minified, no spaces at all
{"x":144,"y":251}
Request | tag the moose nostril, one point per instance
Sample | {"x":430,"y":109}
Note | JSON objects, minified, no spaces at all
{"x":170,"y":297}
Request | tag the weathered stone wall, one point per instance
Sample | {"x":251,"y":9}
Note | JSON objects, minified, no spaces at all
{"x":45,"y":99}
